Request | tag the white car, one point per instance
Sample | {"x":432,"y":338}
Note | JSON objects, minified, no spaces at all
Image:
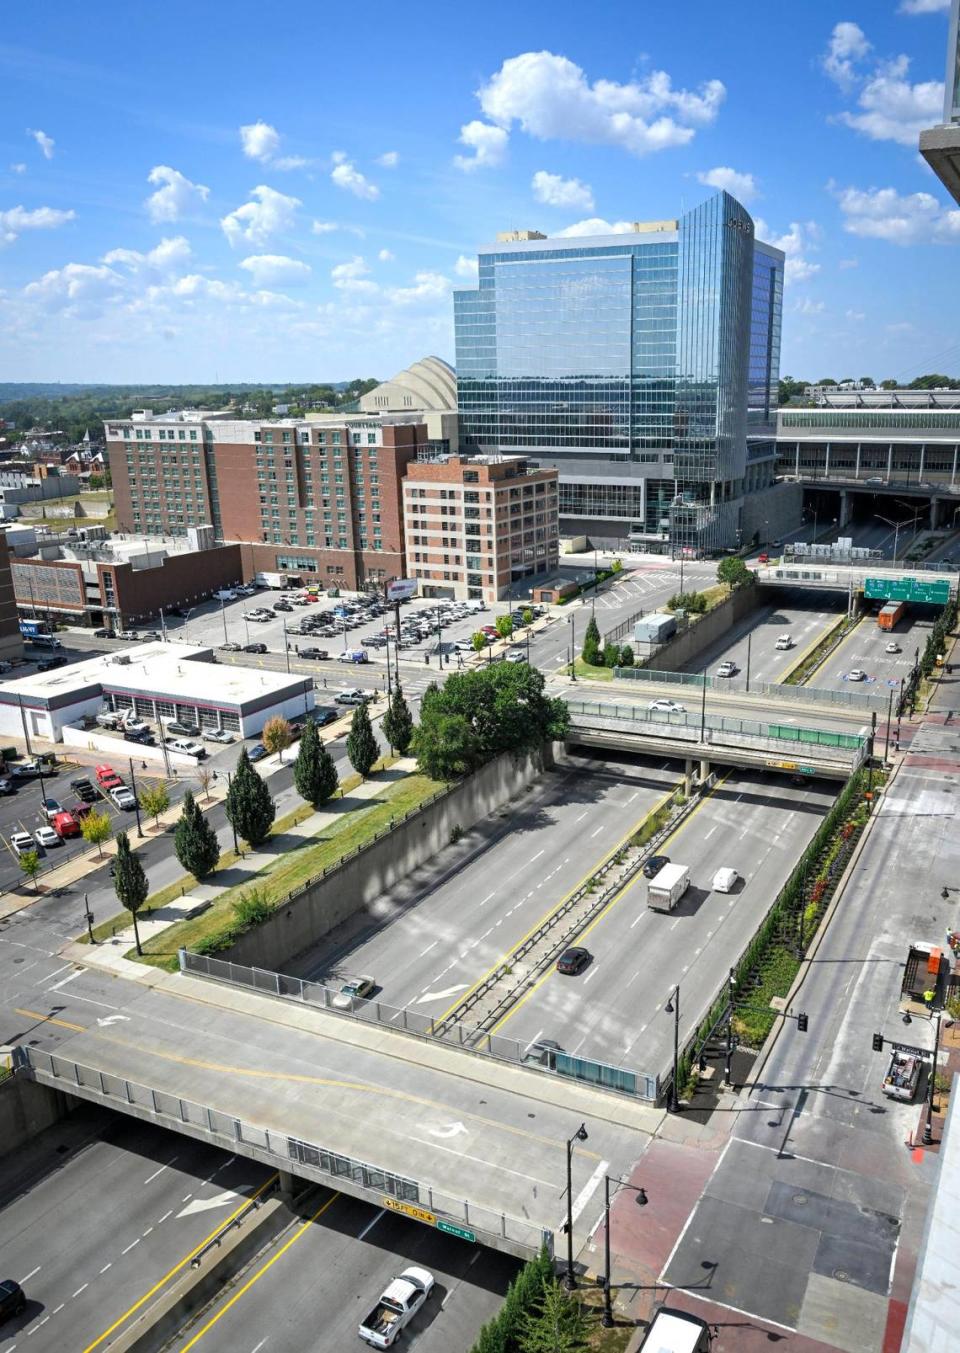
{"x":46,"y":836}
{"x":666,"y":707}
{"x":725,"y":880}
{"x":21,"y":842}
{"x":727,"y":669}
{"x":784,"y":642}
{"x":893,"y":648}
{"x":516,"y":655}
{"x":858,"y":674}
{"x":227,"y":594}
{"x":217,"y":735}
{"x":123,"y":798}
{"x":353,"y":990}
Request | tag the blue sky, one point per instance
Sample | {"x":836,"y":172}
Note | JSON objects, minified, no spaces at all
{"x":202,"y":192}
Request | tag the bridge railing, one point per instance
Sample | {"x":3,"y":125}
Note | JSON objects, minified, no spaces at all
{"x":861,"y":698}
{"x":308,"y":1159}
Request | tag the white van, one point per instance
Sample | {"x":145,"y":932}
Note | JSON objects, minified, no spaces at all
{"x":226,"y":594}
{"x":677,"y":1332}
{"x":725,"y":880}
{"x":785,"y":641}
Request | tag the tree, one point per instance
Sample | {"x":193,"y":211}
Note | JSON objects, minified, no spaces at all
{"x":734,"y":572}
{"x":398,"y":721}
{"x":889,"y":384}
{"x":591,"y":644}
{"x":29,"y":862}
{"x":277,"y":735}
{"x":314,"y":773}
{"x":95,"y":828}
{"x":362,"y":749}
{"x":130,"y":882}
{"x":556,"y":1326}
{"x":155,"y":800}
{"x":611,"y":654}
{"x":445,"y":746}
{"x":194,"y":840}
{"x":504,"y":626}
{"x":479,"y":641}
{"x":527,"y":616}
{"x":626,"y":656}
{"x":250,"y":809}
{"x":867,"y":382}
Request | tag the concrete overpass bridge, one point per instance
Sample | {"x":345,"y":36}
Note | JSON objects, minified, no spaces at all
{"x":935,"y":585}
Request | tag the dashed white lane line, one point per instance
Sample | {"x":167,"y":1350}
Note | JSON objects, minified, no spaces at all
{"x":597,"y":832}
{"x":165,"y":1216}
{"x":130,"y":1246}
{"x":151,"y":1178}
{"x":147,"y":1232}
{"x":32,"y":1272}
{"x":537,"y":856}
{"x":79,"y":1290}
{"x":106,"y":1266}
{"x":57,"y":1309}
{"x":580,"y":818}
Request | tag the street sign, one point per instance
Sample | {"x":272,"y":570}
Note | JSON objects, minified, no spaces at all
{"x":402,"y":589}
{"x":907,"y":589}
{"x":783,"y":765}
{"x":911,"y":1050}
{"x":409,"y":1210}
{"x":452,"y":1230}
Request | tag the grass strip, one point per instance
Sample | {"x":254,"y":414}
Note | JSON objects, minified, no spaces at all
{"x":808,"y":664}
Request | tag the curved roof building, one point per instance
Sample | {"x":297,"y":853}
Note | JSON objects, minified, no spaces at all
{"x":430,"y":384}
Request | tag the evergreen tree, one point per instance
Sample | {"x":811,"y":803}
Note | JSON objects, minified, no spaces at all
{"x":314,"y":773}
{"x":362,"y":749}
{"x":398,"y":722}
{"x":250,"y":809}
{"x":591,"y":644}
{"x":611,"y":655}
{"x":130,"y":882}
{"x":557,"y":1326}
{"x":626,"y":656}
{"x":194,"y":840}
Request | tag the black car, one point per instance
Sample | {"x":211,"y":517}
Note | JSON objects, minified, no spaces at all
{"x":175,"y":610}
{"x":282,"y":606}
{"x":104,"y":633}
{"x":572,"y":961}
{"x":141,"y":735}
{"x":7,"y":786}
{"x":48,"y":664}
{"x":653,"y":866}
{"x":323,"y":715}
{"x":254,"y":648}
{"x":13,"y":1300}
{"x":85,"y":790}
{"x":317,"y":653}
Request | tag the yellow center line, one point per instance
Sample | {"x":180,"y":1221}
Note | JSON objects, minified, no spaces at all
{"x":49,"y":1019}
{"x":182,"y":1264}
{"x":260,"y":1273}
{"x":612,"y":903}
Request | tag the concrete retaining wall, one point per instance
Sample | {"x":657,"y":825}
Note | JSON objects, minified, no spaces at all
{"x":26,"y":1109}
{"x":711,"y":627}
{"x":357,"y":882}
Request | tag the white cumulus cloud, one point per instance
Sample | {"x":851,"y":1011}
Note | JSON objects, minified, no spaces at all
{"x":167,"y":256}
{"x":924,"y":6}
{"x":81,"y":289}
{"x":353,"y":276}
{"x":489,"y":145}
{"x":595,"y":225}
{"x":796,"y":243}
{"x":389,"y":159}
{"x":175,"y":194}
{"x":467,"y":267}
{"x":324,"y":227}
{"x":347,"y":176}
{"x":18,"y":168}
{"x":268,"y":213}
{"x":17,"y":219}
{"x":385,"y":256}
{"x":45,"y":142}
{"x":807,"y":307}
{"x":260,"y":141}
{"x":268,"y":270}
{"x":551,"y":99}
{"x":741,"y":186}
{"x":885,"y":214}
{"x":848,"y":44}
{"x":893,"y":109}
{"x":427,"y":286}
{"x":556,"y":191}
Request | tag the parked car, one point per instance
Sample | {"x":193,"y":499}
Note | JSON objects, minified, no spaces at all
{"x":217,"y":735}
{"x":666,"y":707}
{"x":124,"y":798}
{"x":319,"y":654}
{"x":48,"y":664}
{"x":142,"y":735}
{"x":257,"y":752}
{"x":84,"y":789}
{"x":175,"y":729}
{"x":727,"y":669}
{"x":46,"y":837}
{"x":50,"y":808}
{"x":230,"y":648}
{"x":353,"y":655}
{"x":353,"y":990}
{"x":104,"y":633}
{"x":653,"y":866}
{"x":254,"y":648}
{"x":107,"y":777}
{"x":7,"y":786}
{"x":188,"y":747}
{"x":573,"y":960}
{"x":323,"y":714}
{"x":13,"y":1301}
{"x":282,"y":606}
{"x":66,"y":824}
{"x":21,"y":842}
{"x":353,"y":697}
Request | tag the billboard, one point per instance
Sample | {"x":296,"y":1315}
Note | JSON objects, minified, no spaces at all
{"x":402,"y":589}
{"x":907,"y":589}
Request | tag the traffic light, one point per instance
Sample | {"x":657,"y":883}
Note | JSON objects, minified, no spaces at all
{"x":878,"y":1042}
{"x":802,"y":1021}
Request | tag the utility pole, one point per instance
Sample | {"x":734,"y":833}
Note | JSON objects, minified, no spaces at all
{"x":728,"y":1058}
{"x":703,"y":710}
{"x":286,"y":645}
{"x":749,"y":638}
{"x":886,"y":748}
{"x":672,"y":1007}
{"x":928,"y":1125}
{"x":136,"y":801}
{"x":223,"y":615}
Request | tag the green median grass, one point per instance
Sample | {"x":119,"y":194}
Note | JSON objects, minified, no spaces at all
{"x":590,"y":672}
{"x":294,"y":867}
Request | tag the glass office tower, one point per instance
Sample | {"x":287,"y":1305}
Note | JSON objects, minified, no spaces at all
{"x":639,"y":364}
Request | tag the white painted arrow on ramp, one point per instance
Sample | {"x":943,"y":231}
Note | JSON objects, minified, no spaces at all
{"x":440,"y":995}
{"x":453,"y":1130}
{"x":111,"y":1019}
{"x":206,"y":1204}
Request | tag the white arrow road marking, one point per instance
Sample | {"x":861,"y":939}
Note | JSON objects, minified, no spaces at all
{"x":439,"y":995}
{"x":453,"y":1130}
{"x":205,"y":1204}
{"x":111,"y":1019}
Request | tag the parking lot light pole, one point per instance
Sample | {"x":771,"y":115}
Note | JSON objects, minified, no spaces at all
{"x":749,"y":637}
{"x":672,"y":1007}
{"x":579,"y":1136}
{"x":286,"y":646}
{"x":641,"y":1193}
{"x":136,"y":801}
{"x":223,"y":614}
{"x":573,"y":647}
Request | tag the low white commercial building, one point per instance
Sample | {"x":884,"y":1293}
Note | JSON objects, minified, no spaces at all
{"x":158,"y":681}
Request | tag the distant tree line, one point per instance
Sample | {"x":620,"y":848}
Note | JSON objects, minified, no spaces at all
{"x":793,"y":389}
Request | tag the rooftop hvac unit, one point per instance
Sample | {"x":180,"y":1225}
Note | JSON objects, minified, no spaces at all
{"x":122,"y":658}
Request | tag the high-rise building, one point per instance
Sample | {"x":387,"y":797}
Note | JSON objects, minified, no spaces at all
{"x":642,"y":365}
{"x":940,"y":146}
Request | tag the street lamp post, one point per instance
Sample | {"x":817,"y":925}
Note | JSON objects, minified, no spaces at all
{"x":236,"y":844}
{"x":749,"y":637}
{"x":223,"y":616}
{"x":641,"y":1193}
{"x":136,"y":800}
{"x":672,"y":1007}
{"x":728,"y":1057}
{"x":286,"y":644}
{"x":573,"y":647}
{"x":928,"y":1125}
{"x":579,"y":1136}
{"x":703,"y":709}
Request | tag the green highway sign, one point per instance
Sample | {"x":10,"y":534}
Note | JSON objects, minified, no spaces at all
{"x":806,"y":770}
{"x":452,"y":1230}
{"x":907,"y":589}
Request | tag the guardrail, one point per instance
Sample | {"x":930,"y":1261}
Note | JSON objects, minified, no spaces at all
{"x":396,"y":1192}
{"x":802,"y":695}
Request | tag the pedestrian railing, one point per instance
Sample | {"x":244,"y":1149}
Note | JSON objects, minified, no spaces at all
{"x":860,"y":697}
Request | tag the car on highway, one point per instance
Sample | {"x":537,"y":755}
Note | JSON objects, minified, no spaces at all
{"x":257,"y":752}
{"x":542,"y":1052}
{"x":857,"y":674}
{"x":666,"y":707}
{"x":84,"y":789}
{"x":323,"y":714}
{"x":353,"y":655}
{"x":254,"y":648}
{"x":46,"y":837}
{"x":21,"y":842}
{"x":351,"y":991}
{"x":763,"y":558}
{"x":727,"y":669}
{"x":123,"y":798}
{"x":573,"y":960}
{"x":104,"y":633}
{"x":217,"y":735}
{"x":50,"y":808}
{"x":784,"y":642}
{"x":353,"y":697}
{"x":7,"y":786}
{"x":893,"y":648}
{"x":725,"y":880}
{"x":516,"y":655}
{"x":13,"y":1300}
{"x":230,"y":648}
{"x":653,"y":866}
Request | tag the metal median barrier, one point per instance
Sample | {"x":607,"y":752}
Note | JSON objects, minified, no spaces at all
{"x":532,"y":1056}
{"x":456,"y":1216}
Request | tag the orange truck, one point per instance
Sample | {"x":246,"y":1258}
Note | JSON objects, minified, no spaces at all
{"x":890,"y":614}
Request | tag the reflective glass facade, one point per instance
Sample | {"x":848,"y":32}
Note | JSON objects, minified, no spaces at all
{"x":631,"y":363}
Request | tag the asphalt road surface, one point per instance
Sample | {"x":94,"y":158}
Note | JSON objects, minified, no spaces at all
{"x":864,"y":649}
{"x":751,"y":645}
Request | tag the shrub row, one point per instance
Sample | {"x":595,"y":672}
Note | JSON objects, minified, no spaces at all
{"x":502,"y":1333}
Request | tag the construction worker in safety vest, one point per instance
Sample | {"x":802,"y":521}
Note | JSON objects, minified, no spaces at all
{"x":928,"y":997}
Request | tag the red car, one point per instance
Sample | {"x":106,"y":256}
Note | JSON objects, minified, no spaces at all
{"x":763,"y":558}
{"x":65,"y":824}
{"x":107,"y":777}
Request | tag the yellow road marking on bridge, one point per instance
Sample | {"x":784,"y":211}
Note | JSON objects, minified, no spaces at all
{"x":261,"y":1272}
{"x":182,"y":1264}
{"x":49,"y":1019}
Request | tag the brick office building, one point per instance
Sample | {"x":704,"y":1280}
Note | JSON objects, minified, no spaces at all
{"x":474,"y":527}
{"x":318,"y":498}
{"x":11,"y":641}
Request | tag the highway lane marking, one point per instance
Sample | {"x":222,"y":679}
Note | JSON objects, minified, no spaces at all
{"x":105,"y":1267}
{"x":598,"y":831}
{"x":260,"y":1273}
{"x":371,"y":1224}
{"x":165,"y":1216}
{"x":592,"y":973}
{"x":130,"y":1246}
{"x":268,"y":1183}
{"x":58,"y":970}
{"x":580,"y":818}
{"x":79,"y":1290}
{"x":49,"y":1019}
{"x":537,"y":856}
{"x":151,"y":1178}
{"x":33,"y":1272}
{"x":583,"y":1197}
